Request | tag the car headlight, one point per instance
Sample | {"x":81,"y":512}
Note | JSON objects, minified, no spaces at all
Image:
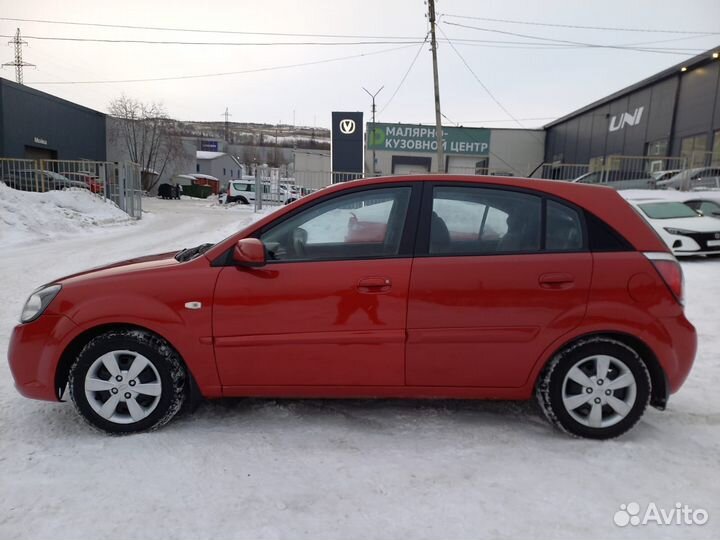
{"x":681,"y":232}
{"x":38,"y":302}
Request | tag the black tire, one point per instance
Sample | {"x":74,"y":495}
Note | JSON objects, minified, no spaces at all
{"x":550,"y":388}
{"x":163,"y":358}
{"x":243,"y":200}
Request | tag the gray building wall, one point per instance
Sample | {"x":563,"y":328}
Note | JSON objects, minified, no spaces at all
{"x":31,"y":120}
{"x":675,"y":104}
{"x":223,"y":167}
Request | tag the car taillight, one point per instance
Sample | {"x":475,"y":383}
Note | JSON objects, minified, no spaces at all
{"x":671,"y":272}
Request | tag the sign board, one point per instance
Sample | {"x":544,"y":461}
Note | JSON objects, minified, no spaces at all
{"x":210,"y":146}
{"x":420,"y":138}
{"x":347,"y":143}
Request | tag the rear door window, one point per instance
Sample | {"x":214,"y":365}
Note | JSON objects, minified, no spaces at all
{"x":475,"y":220}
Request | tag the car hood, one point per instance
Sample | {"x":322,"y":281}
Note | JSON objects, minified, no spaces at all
{"x":138,"y":264}
{"x":695,"y":224}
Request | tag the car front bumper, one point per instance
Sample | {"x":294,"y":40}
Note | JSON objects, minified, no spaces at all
{"x":34,"y":352}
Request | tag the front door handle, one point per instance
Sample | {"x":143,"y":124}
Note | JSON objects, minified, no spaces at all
{"x":374,"y":284}
{"x":556,"y":280}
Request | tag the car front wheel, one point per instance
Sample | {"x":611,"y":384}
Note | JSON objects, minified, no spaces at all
{"x":597,"y":388}
{"x":126,"y":381}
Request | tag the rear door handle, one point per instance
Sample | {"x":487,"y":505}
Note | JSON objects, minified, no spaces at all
{"x":374,"y":284}
{"x":556,"y":280}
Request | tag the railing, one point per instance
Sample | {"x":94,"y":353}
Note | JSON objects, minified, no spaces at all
{"x":119,"y":182}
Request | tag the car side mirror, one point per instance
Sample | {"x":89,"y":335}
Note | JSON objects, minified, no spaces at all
{"x":249,"y":252}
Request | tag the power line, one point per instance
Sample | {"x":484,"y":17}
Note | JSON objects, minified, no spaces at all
{"x":581,"y":27}
{"x":220,"y":43}
{"x":482,"y":84}
{"x":224,"y":74}
{"x":405,"y":76}
{"x":395,"y":41}
{"x":566,"y":41}
{"x":199,"y":30}
{"x":507,"y":120}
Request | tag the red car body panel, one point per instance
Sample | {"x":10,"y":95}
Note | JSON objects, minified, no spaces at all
{"x":334,"y":328}
{"x":484,"y":320}
{"x":463,"y":326}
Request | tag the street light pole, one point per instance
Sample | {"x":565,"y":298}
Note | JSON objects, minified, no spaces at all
{"x":374,"y":171}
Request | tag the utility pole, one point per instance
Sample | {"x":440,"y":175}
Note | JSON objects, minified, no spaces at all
{"x":227,"y":115}
{"x":374,"y":171}
{"x":18,"y":64}
{"x":438,"y":115}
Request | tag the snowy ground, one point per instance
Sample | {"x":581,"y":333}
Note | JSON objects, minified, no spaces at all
{"x":337,"y":469}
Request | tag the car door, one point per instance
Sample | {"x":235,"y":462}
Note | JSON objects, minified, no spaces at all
{"x":330,"y":305}
{"x":499,"y":275}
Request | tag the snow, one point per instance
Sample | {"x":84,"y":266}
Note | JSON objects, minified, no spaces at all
{"x":317,"y":469}
{"x":206,"y":154}
{"x":42,"y":216}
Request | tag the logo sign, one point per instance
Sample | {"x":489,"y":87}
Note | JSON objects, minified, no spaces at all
{"x":347,"y":126}
{"x":403,"y":138}
{"x":347,"y":145}
{"x":40,"y":140}
{"x":210,"y":146}
{"x":619,"y":121}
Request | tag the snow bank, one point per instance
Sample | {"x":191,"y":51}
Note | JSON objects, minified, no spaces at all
{"x":26,"y":215}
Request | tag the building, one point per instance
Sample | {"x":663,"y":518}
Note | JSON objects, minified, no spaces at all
{"x":412,"y":149}
{"x":673,"y":113}
{"x":220,"y":165}
{"x":36,"y":125}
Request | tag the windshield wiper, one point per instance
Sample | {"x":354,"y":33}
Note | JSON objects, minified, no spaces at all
{"x":190,"y":253}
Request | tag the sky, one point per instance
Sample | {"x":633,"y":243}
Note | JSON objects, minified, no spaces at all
{"x":531,"y":81}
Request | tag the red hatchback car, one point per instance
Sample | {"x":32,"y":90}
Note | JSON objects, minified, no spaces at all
{"x":405,"y":287}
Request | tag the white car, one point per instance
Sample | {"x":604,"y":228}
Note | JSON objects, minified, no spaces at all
{"x":243,"y":191}
{"x":683,"y":229}
{"x":698,"y":178}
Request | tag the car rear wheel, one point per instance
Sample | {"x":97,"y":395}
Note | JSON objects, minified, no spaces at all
{"x":126,"y":381}
{"x":597,"y":388}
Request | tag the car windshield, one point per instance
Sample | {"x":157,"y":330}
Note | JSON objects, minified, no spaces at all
{"x":667,"y":210}
{"x":708,"y":208}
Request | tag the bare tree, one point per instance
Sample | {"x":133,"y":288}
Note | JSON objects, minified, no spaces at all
{"x":148,"y":134}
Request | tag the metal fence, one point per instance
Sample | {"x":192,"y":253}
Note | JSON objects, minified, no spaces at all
{"x":639,"y":172}
{"x":118,"y":182}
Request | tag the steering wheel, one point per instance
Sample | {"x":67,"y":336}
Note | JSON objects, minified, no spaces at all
{"x":299,"y":239}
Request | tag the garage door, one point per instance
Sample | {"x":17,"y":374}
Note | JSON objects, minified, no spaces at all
{"x":402,"y":168}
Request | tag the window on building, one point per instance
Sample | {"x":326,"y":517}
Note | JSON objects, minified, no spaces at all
{"x":481,"y":167}
{"x":657,"y":148}
{"x":596,"y":163}
{"x":694,"y":149}
{"x":716,"y":149}
{"x":224,"y":171}
{"x":197,"y":167}
{"x":231,"y":173}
